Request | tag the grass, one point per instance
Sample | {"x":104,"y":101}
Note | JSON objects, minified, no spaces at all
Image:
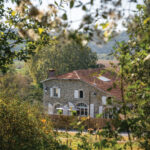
{"x":72,"y":140}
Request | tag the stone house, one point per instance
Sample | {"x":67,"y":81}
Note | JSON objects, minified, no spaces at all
{"x":83,"y":91}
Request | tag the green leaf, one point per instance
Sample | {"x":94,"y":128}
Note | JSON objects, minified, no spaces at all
{"x":91,"y":2}
{"x":109,"y":89}
{"x":71,"y":3}
{"x":104,"y":16}
{"x":64,"y":16}
{"x":56,"y":3}
{"x":139,"y":7}
{"x":84,"y":8}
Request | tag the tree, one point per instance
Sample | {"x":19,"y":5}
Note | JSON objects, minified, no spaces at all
{"x":134,"y":64}
{"x":31,"y":27}
{"x":21,"y":30}
{"x":61,"y":56}
{"x":18,"y":86}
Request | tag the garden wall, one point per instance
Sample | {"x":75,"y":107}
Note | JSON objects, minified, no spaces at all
{"x":74,"y":122}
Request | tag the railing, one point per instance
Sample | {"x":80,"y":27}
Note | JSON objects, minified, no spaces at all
{"x":74,"y":122}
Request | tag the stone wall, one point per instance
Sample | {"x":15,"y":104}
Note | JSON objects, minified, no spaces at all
{"x":91,"y":95}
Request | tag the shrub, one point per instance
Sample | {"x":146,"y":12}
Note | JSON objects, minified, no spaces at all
{"x":24,"y":127}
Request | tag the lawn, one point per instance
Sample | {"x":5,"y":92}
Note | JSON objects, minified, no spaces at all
{"x":72,"y":140}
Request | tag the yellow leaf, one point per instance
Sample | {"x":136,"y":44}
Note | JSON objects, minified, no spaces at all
{"x":146,"y":20}
{"x":104,"y":26}
{"x":96,"y":26}
{"x":13,"y":13}
{"x":106,"y":34}
{"x":2,"y":33}
{"x":40,"y":30}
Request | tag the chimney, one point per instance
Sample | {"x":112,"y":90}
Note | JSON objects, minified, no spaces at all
{"x":51,"y":73}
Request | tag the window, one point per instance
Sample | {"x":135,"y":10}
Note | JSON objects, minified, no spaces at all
{"x":55,"y":92}
{"x":108,"y":113}
{"x":58,"y":109}
{"x":82,"y":109}
{"x":81,"y":93}
{"x":78,"y":93}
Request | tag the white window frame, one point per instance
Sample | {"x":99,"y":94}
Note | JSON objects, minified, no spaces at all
{"x":104,"y":100}
{"x":81,"y":109}
{"x":52,"y":92}
{"x":107,"y":112}
{"x":77,"y":94}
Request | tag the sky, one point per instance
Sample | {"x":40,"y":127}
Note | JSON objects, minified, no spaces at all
{"x":75,"y":15}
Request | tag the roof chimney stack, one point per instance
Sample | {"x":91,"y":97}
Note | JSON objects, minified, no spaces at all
{"x":51,"y":73}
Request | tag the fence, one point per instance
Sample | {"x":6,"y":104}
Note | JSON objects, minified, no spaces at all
{"x":74,"y":122}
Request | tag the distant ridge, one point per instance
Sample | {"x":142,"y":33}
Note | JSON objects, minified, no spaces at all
{"x":108,"y":47}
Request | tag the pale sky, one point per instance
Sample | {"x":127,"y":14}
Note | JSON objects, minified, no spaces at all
{"x":75,"y":15}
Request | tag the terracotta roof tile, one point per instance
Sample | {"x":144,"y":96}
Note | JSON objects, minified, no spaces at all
{"x":90,"y":76}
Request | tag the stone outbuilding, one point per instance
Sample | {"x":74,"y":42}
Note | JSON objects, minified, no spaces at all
{"x":86,"y":92}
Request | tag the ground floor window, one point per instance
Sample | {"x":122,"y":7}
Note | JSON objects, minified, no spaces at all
{"x":108,"y":113}
{"x":57,"y":109}
{"x":82,"y":109}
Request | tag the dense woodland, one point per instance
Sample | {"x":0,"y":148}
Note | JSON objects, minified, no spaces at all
{"x":49,"y":43}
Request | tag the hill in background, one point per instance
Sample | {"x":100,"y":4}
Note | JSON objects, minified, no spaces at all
{"x":104,"y":50}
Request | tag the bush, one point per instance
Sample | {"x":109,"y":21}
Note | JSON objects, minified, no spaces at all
{"x":24,"y":127}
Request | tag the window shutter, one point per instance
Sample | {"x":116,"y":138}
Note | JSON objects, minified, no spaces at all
{"x":50,"y":108}
{"x":104,"y":100}
{"x":58,"y":92}
{"x":92,"y":110}
{"x":51,"y":92}
{"x":65,"y":110}
{"x":76,"y":94}
{"x":71,"y":105}
{"x":100,"y":109}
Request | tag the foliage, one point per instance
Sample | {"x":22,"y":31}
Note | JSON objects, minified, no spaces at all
{"x":25,"y":127}
{"x":61,"y":56}
{"x":134,"y":72}
{"x":28,"y":26}
{"x":133,"y":57}
{"x":18,"y":86}
{"x":21,"y":30}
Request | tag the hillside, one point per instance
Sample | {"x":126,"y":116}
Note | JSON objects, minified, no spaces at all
{"x":104,"y":50}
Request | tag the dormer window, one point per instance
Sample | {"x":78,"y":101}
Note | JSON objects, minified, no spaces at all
{"x":102,"y":78}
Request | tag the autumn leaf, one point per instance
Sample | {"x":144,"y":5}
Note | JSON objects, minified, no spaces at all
{"x":2,"y":33}
{"x":104,"y":25}
{"x":43,"y":120}
{"x":146,"y":20}
{"x":13,"y":13}
{"x":40,"y":30}
{"x":106,"y":33}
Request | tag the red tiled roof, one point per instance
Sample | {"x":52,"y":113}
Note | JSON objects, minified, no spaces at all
{"x":90,"y":76}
